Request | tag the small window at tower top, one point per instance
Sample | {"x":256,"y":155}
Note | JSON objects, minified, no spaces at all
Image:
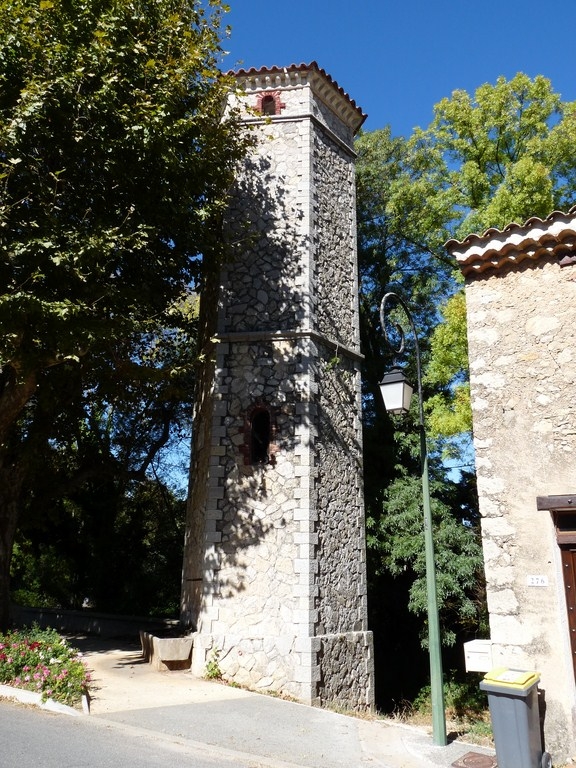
{"x":268,"y":105}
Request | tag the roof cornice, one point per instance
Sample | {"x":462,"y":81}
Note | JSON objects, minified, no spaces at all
{"x":497,"y":249}
{"x":298,"y":74}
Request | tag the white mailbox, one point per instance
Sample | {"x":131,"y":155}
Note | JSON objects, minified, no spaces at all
{"x":478,"y":655}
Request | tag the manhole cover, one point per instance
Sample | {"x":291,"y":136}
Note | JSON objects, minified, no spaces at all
{"x":475,"y":760}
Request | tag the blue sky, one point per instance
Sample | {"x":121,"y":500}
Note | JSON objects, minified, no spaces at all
{"x":397,"y":59}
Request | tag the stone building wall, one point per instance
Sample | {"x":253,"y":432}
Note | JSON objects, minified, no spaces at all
{"x":342,"y":590}
{"x":335,"y":268}
{"x":282,"y":596}
{"x":344,"y":647}
{"x":266,"y":286}
{"x":521,"y":307}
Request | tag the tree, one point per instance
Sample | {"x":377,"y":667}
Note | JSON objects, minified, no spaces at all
{"x":115,"y":158}
{"x":402,"y":252}
{"x":110,"y":544}
{"x":401,"y":248}
{"x":449,"y":407}
{"x":502,"y":156}
{"x":505,"y":153}
{"x":99,"y":491}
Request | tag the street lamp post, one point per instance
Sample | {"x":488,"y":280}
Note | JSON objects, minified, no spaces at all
{"x":396,"y":392}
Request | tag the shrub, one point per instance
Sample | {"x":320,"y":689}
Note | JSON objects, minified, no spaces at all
{"x":212,"y":670}
{"x":40,"y":660}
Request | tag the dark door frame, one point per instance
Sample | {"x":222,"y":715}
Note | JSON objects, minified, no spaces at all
{"x":563,"y":510}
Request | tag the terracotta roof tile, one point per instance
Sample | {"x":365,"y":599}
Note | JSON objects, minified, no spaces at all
{"x":554,"y":235}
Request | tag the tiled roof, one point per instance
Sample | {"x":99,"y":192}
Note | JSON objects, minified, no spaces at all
{"x":312,"y":67}
{"x":555,"y":235}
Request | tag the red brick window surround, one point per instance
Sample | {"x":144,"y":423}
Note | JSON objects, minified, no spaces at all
{"x":269,"y":103}
{"x":259,"y":432}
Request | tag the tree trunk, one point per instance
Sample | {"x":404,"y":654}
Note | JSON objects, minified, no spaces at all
{"x":11,"y":482}
{"x":15,"y":392}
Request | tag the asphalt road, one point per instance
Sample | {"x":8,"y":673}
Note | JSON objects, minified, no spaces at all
{"x":142,"y":718}
{"x":33,"y":738}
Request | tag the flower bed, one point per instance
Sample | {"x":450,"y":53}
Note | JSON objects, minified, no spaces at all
{"x":40,"y":660}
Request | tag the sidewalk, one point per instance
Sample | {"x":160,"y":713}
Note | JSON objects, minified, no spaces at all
{"x":253,"y":729}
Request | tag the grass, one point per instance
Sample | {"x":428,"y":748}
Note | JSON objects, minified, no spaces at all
{"x":466,"y":707}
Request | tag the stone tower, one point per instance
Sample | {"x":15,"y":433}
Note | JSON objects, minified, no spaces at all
{"x":274,"y":576}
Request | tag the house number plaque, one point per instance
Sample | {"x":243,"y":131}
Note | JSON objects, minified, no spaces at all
{"x":537,"y":581}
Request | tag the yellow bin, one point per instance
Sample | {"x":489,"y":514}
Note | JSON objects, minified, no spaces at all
{"x":511,"y":679}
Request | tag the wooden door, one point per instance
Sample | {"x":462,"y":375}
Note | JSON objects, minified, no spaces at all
{"x":563,"y":509}
{"x":569,"y":569}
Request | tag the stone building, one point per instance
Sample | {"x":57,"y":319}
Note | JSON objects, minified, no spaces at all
{"x":521,"y":304}
{"x":274,"y":576}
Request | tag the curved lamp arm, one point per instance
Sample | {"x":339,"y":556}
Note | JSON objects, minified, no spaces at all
{"x":393,"y":298}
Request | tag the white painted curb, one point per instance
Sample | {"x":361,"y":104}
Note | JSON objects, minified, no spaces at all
{"x":29,"y":697}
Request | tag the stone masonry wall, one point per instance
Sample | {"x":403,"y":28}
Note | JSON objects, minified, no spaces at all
{"x":346,"y":672}
{"x":266,"y":286}
{"x":523,"y":367}
{"x":341,"y":578}
{"x":335,"y":270}
{"x":256,"y":526}
{"x":342,"y":589}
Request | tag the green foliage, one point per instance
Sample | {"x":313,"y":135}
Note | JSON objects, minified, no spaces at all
{"x":499,"y":156}
{"x":41,"y":574}
{"x":398,"y":536}
{"x":501,"y":159}
{"x":503,"y":154}
{"x":463,"y":699}
{"x":113,"y":156}
{"x":212,"y":670}
{"x":396,"y":246}
{"x":100,"y":479}
{"x":135,"y":530}
{"x":391,"y":257}
{"x":465,"y":705}
{"x":43,"y":662}
{"x":449,"y":407}
{"x":115,"y":162}
{"x":402,"y":225}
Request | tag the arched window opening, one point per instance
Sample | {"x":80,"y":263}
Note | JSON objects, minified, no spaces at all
{"x":260,"y":437}
{"x":269,"y":105}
